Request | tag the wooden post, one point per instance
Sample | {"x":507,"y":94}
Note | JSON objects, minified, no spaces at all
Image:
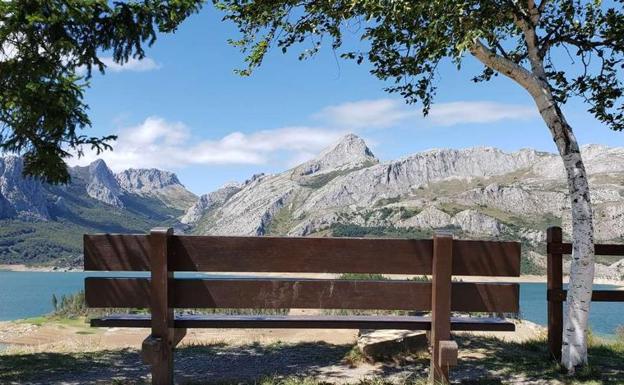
{"x":161,"y":343}
{"x":554,"y":273}
{"x":440,"y":306}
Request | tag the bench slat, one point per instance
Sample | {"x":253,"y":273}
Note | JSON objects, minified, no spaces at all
{"x":114,"y":252}
{"x":601,"y":249}
{"x":308,"y":322}
{"x":270,"y":293}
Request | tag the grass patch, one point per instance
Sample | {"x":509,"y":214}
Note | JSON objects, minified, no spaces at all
{"x":37,"y":321}
{"x":282,"y":222}
{"x":357,"y":231}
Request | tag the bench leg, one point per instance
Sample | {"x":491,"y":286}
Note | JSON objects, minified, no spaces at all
{"x":441,"y":284}
{"x":441,"y":362}
{"x":159,"y":354}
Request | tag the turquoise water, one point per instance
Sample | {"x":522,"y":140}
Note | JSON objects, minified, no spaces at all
{"x":29,"y":294}
{"x":604,"y":317}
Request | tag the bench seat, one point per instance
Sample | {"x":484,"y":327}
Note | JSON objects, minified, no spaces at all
{"x":306,"y":322}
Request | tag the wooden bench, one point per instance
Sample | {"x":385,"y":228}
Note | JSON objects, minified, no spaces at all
{"x":162,"y":253}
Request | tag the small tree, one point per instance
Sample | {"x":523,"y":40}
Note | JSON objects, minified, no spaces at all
{"x":521,"y":39}
{"x":45,"y":46}
{"x":54,"y":302}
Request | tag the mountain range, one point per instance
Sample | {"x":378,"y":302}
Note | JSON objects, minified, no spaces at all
{"x":479,"y":192}
{"x":43,"y":224}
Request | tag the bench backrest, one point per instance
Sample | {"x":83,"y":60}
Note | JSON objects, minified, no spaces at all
{"x":163,"y":253}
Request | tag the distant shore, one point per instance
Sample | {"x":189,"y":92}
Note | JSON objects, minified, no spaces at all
{"x":47,"y":269}
{"x":521,"y":279}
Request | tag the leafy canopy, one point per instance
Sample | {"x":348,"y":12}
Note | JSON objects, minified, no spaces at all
{"x":406,"y":41}
{"x":48,"y":49}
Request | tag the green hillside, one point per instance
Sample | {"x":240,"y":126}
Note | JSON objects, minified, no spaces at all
{"x":58,"y":241}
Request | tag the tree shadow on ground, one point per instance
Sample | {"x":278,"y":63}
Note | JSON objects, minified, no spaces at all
{"x":249,"y":363}
{"x":483,"y":361}
{"x":499,"y":362}
{"x":70,"y":368}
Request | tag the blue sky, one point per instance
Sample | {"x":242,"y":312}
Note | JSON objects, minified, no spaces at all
{"x":183,"y":109}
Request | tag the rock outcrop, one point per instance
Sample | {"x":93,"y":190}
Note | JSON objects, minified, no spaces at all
{"x":516,"y":199}
{"x":429,"y":218}
{"x":387,"y":345}
{"x":474,"y":222}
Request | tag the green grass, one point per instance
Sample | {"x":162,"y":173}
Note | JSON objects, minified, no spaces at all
{"x":351,"y":230}
{"x":282,"y":222}
{"x":57,"y":320}
{"x":37,"y":321}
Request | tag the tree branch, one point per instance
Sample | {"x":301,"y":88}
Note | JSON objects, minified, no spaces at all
{"x":506,"y":67}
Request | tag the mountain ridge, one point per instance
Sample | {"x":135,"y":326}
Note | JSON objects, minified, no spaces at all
{"x":479,"y":192}
{"x":43,"y":224}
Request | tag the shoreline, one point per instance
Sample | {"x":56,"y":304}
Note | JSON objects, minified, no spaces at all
{"x":529,"y":278}
{"x":21,"y":268}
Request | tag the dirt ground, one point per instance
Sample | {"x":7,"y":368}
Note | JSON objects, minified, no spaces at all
{"x":220,"y":355}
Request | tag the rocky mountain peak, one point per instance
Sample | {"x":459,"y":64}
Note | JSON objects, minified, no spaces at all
{"x":142,"y":181}
{"x":350,"y":152}
{"x":102,"y":185}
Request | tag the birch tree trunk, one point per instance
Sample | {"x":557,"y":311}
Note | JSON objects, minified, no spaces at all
{"x":574,"y":350}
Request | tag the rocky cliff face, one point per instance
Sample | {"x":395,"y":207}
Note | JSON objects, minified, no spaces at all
{"x":20,"y":197}
{"x":208,"y":202}
{"x":477,"y":193}
{"x":102,"y":184}
{"x":162,"y":185}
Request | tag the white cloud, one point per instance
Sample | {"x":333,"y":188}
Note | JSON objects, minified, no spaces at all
{"x":167,"y":145}
{"x":450,"y":114}
{"x":386,"y":113}
{"x":133,"y":65}
{"x":379,"y":113}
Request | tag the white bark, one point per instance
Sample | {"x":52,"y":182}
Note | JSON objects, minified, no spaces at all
{"x":574,"y":352}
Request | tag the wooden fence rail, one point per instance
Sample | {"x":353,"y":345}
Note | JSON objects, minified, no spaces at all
{"x":556,"y":295}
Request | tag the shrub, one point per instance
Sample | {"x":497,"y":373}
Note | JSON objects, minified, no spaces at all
{"x":619,"y":332}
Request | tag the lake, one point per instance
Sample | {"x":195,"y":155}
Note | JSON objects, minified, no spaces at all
{"x":29,"y":294}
